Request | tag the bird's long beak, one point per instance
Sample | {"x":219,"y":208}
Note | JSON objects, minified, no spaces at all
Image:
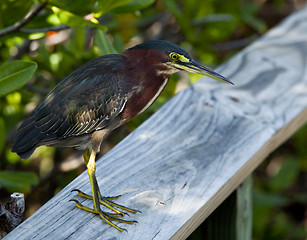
{"x":194,"y":67}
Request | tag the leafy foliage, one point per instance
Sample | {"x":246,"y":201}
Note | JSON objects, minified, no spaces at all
{"x":67,"y":33}
{"x":18,"y":181}
{"x":14,"y":75}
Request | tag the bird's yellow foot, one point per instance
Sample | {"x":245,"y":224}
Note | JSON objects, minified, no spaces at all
{"x":107,"y":217}
{"x":108,"y":203}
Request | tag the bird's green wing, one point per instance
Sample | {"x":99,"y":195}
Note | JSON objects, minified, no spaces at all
{"x":86,"y":101}
{"x":89,"y":99}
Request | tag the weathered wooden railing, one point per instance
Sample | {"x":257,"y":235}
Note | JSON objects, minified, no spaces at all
{"x":180,"y":165}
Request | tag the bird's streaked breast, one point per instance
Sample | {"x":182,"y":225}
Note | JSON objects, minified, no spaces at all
{"x":155,"y":96}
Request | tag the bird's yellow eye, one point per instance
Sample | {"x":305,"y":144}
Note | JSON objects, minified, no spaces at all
{"x":174,"y":56}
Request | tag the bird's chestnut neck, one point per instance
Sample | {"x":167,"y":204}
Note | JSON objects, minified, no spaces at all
{"x":150,"y":57}
{"x":151,"y":61}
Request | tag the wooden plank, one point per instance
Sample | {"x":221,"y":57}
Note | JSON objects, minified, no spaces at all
{"x":187,"y":158}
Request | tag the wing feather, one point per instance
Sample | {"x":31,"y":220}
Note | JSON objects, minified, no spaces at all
{"x":85,"y":101}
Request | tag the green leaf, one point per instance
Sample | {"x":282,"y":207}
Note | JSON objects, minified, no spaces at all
{"x":76,"y":45}
{"x":13,"y":11}
{"x":2,"y":135}
{"x":14,"y":75}
{"x":103,"y":43}
{"x":248,"y":14}
{"x":287,"y":175}
{"x":74,"y":20}
{"x":264,"y":199}
{"x":173,"y":8}
{"x":18,"y":181}
{"x":105,"y":6}
{"x":79,"y":7}
{"x":133,"y":6}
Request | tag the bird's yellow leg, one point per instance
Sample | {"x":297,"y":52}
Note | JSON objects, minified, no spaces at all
{"x":89,"y":160}
{"x":91,"y":169}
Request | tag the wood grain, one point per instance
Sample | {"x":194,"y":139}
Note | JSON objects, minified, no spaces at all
{"x":179,"y":165}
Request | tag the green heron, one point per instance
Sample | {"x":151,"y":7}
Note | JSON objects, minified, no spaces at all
{"x":98,"y":97}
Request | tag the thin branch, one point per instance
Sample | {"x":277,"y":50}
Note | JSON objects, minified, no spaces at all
{"x":213,"y":18}
{"x":47,"y":29}
{"x":18,"y":25}
{"x":235,"y":44}
{"x":300,"y":225}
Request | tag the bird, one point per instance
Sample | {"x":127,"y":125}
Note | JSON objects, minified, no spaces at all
{"x":98,"y":97}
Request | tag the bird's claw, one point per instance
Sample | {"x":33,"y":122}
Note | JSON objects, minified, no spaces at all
{"x":75,"y":190}
{"x":107,"y":217}
{"x":108,"y":203}
{"x":74,"y":200}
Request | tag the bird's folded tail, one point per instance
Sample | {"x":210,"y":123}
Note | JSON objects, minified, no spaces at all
{"x":26,"y":139}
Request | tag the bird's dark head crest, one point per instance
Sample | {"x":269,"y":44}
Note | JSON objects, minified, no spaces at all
{"x":162,"y":46}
